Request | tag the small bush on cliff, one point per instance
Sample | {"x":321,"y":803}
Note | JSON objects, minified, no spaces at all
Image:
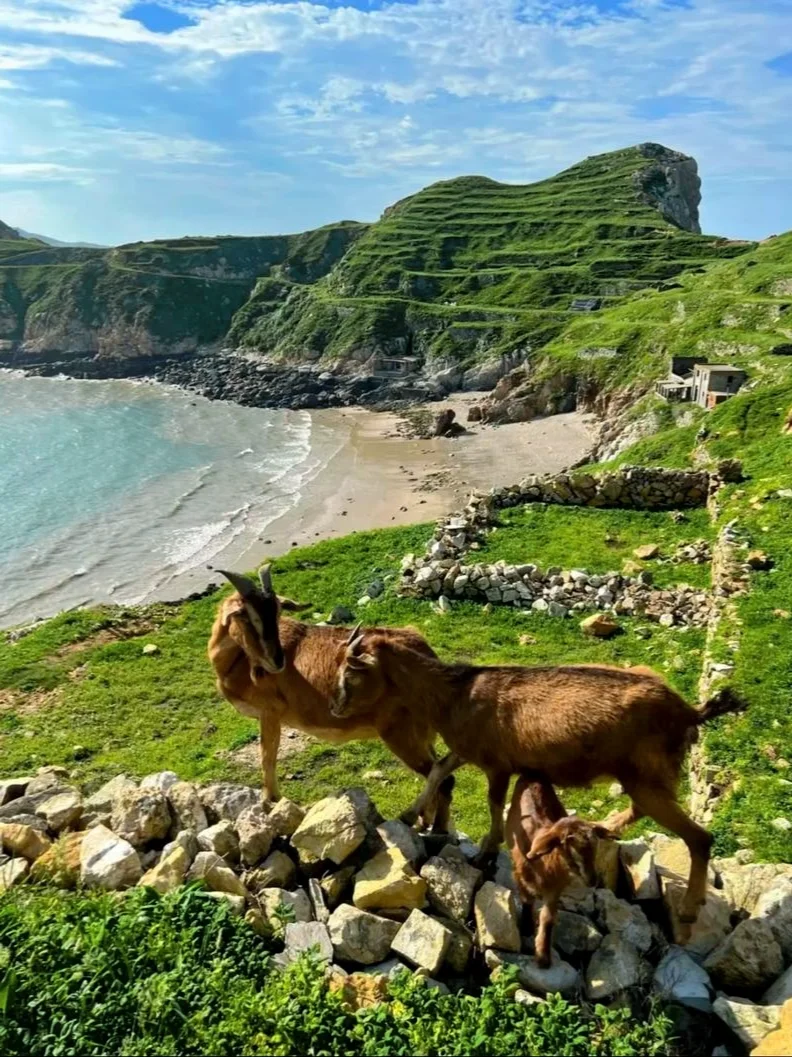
{"x":99,"y":974}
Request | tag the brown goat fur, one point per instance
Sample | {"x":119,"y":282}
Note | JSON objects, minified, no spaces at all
{"x":574,"y":724}
{"x":548,"y":850}
{"x":299,"y":694}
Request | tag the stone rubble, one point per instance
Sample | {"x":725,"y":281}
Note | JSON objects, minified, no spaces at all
{"x":374,"y":897}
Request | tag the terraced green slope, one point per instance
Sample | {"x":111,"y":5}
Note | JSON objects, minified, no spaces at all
{"x":738,"y":311}
{"x":470,"y":268}
{"x":146,"y":298}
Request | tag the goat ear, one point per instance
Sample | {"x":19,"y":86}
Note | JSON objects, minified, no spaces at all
{"x":290,"y":606}
{"x":265,"y":579}
{"x":543,"y":843}
{"x":232,"y":607}
{"x":245,"y":587}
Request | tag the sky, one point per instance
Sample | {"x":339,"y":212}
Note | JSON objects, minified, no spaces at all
{"x":122,"y":121}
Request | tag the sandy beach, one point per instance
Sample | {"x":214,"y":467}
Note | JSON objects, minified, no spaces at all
{"x":380,"y":478}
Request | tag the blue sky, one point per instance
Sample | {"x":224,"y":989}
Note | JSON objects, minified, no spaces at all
{"x":121,"y":121}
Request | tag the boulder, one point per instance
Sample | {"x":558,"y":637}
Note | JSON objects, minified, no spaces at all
{"x":780,"y":991}
{"x":450,"y":886}
{"x":638,"y":861}
{"x":61,"y":810}
{"x":12,"y":872}
{"x":744,"y":883}
{"x":679,"y":979}
{"x":600,"y":626}
{"x":316,"y":896}
{"x":308,"y":936}
{"x":778,"y":1043}
{"x":647,"y":551}
{"x":422,"y":941}
{"x":236,"y":904}
{"x":98,"y":807}
{"x":775,"y":907}
{"x":286,"y":816}
{"x":559,"y":976}
{"x":711,"y":926}
{"x":160,"y":782}
{"x":335,"y":884}
{"x":388,"y":882}
{"x":496,"y":918}
{"x":748,"y":960}
{"x":358,"y":936}
{"x":331,"y":829}
{"x":359,"y":990}
{"x":615,"y":967}
{"x":13,"y":788}
{"x":186,"y":807}
{"x":606,"y":864}
{"x":458,"y":953}
{"x":186,"y":839}
{"x":47,"y":779}
{"x":140,"y":816}
{"x":397,"y":834}
{"x":256,"y":834}
{"x":220,"y":838}
{"x":749,"y":1022}
{"x":277,"y":871}
{"x":24,"y":841}
{"x":574,"y":934}
{"x":60,"y":864}
{"x":108,"y":861}
{"x":624,"y":919}
{"x":216,"y":875}
{"x":225,"y":800}
{"x":169,"y":872}
{"x":279,"y":906}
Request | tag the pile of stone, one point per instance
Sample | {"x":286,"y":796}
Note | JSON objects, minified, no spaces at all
{"x":374,"y":897}
{"x":638,"y":487}
{"x":555,"y":591}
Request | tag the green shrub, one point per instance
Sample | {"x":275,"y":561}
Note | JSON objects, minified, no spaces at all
{"x":139,"y":974}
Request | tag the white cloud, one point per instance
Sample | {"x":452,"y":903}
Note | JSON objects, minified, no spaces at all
{"x":46,"y":171}
{"x":30,"y":57}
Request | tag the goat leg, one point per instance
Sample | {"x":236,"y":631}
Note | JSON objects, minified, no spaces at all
{"x":498,"y":787}
{"x":440,"y":771}
{"x":270,"y":728}
{"x":543,"y":943}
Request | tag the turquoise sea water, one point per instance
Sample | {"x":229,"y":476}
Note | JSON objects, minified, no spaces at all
{"x":110,"y":491}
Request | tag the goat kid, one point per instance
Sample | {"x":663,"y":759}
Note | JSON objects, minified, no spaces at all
{"x":548,"y":849}
{"x":283,"y":672}
{"x":573,"y":724}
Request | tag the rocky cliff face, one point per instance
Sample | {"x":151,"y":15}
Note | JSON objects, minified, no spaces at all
{"x":672,"y":184}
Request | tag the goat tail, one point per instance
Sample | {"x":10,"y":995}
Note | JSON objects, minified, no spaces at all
{"x":720,"y":704}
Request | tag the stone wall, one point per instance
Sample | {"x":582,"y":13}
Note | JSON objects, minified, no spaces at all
{"x":638,"y":487}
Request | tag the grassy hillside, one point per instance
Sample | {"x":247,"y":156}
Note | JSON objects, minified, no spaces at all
{"x":461,"y":272}
{"x":147,"y":298}
{"x":737,"y":312}
{"x":469,"y":267}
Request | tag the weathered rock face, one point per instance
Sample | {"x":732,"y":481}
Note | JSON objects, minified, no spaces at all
{"x":308,"y":936}
{"x":388,"y":882}
{"x":169,"y":872}
{"x":223,"y":800}
{"x":256,"y":833}
{"x":747,"y":960}
{"x":140,"y":816}
{"x":61,"y":810}
{"x":778,"y":1043}
{"x":275,"y":903}
{"x":108,"y":861}
{"x":496,"y":918}
{"x":332,"y":829}
{"x":277,"y":871}
{"x":749,"y":1022}
{"x":286,"y":816}
{"x":358,"y":936}
{"x":186,"y":807}
{"x":12,"y":872}
{"x":574,"y":934}
{"x":672,"y":184}
{"x":209,"y":867}
{"x":221,"y":838}
{"x":422,"y":941}
{"x":615,"y":967}
{"x":638,"y":861}
{"x":679,"y":979}
{"x":622,"y":919}
{"x":558,"y":976}
{"x":21,"y":840}
{"x":450,"y":886}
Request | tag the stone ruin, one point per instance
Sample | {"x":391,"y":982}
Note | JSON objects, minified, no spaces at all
{"x":372,"y":897}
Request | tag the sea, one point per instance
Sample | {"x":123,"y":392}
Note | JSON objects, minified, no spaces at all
{"x":118,"y":491}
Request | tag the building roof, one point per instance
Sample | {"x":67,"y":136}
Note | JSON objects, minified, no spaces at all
{"x":719,"y":367}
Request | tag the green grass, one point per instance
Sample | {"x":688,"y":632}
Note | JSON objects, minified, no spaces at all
{"x":124,"y":711}
{"x":142,"y":975}
{"x":597,"y":540}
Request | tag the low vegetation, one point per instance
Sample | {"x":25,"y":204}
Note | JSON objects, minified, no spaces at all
{"x":151,"y":975}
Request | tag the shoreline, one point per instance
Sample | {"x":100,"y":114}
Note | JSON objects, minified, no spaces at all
{"x":381,"y":479}
{"x":364,"y":470}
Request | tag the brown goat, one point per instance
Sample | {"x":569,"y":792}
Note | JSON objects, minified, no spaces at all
{"x":571,"y":724}
{"x":548,"y":850}
{"x":283,"y":672}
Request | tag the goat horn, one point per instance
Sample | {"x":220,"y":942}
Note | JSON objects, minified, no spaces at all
{"x":245,"y":586}
{"x":354,"y":633}
{"x":265,"y":579}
